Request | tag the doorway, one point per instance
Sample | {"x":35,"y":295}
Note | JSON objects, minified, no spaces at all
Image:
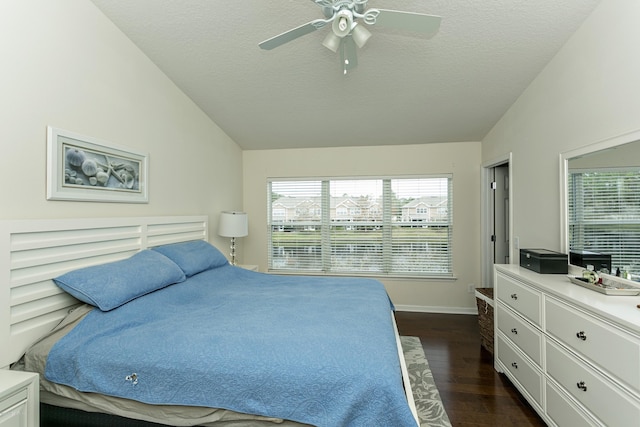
{"x":500,"y":205}
{"x":496,"y":225}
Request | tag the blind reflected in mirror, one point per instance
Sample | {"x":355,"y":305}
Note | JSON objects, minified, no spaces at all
{"x":603,"y":206}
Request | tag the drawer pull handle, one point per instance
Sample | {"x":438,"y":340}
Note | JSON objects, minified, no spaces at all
{"x":514,"y":296}
{"x":581,"y":335}
{"x":582,"y":386}
{"x":514,"y":364}
{"x":514,"y":331}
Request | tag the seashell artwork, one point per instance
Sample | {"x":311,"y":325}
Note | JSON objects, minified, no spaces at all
{"x":89,"y":167}
{"x":102,"y":177}
{"x":128,"y":179}
{"x":83,"y":168}
{"x":75,"y":157}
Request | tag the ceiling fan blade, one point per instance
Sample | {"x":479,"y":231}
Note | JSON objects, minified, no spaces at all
{"x":348,"y":54}
{"x":293,"y":34}
{"x":406,"y":21}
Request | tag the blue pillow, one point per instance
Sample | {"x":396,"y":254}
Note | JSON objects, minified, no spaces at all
{"x":111,"y":285}
{"x":193,"y":256}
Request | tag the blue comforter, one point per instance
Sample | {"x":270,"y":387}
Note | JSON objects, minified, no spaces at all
{"x":320,"y":351}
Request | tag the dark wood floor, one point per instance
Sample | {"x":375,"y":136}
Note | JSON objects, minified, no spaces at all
{"x":473,"y":393}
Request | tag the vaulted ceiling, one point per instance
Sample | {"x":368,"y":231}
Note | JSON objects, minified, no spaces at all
{"x":407,"y":89}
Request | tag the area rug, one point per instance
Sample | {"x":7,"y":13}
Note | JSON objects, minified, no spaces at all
{"x":425,"y":393}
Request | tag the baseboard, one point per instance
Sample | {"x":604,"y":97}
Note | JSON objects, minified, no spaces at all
{"x":436,"y":309}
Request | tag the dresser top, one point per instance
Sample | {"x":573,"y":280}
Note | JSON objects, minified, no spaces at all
{"x":622,"y":310}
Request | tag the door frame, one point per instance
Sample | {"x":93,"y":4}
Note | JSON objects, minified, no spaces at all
{"x":486,"y":217}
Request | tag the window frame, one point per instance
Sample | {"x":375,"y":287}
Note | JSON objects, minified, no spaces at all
{"x":444,"y":219}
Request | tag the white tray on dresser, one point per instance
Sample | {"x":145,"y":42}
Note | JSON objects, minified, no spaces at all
{"x":611,"y":288}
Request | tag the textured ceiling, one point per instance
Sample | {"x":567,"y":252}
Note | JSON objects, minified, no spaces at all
{"x":406,"y":90}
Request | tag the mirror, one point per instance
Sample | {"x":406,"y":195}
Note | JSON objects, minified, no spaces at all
{"x":600,"y":192}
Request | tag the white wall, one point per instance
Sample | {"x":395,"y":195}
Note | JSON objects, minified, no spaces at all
{"x":589,"y":92}
{"x":460,"y":159}
{"x":65,"y":65}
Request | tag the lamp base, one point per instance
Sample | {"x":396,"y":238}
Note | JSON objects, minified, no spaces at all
{"x":233,"y":251}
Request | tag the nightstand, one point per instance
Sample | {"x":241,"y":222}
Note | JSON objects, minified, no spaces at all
{"x":248,"y":267}
{"x":19,"y":399}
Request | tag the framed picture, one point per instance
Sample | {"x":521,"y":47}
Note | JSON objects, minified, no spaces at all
{"x":81,"y":168}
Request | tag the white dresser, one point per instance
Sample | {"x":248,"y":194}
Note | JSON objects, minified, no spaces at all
{"x":19,"y":399}
{"x":573,"y":353}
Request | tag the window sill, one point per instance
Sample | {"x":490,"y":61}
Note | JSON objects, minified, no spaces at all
{"x":398,"y":276}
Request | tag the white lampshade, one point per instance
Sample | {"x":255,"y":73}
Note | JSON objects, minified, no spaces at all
{"x":233,"y":224}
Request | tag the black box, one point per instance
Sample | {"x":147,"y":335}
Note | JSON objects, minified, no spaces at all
{"x":544,"y":261}
{"x":584,"y":258}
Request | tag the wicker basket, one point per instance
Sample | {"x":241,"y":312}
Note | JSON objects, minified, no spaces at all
{"x":484,"y":300}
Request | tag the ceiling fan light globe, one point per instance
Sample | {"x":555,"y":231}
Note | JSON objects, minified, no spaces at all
{"x":332,"y":42}
{"x":343,"y":23}
{"x":360,"y":35}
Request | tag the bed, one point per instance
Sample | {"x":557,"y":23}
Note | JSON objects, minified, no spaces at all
{"x":190,"y":339}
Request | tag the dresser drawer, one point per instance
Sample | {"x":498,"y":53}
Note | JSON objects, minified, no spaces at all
{"x":562,"y":411}
{"x":611,"y":405}
{"x":612,"y":349}
{"x":521,"y":369}
{"x":525,"y":336}
{"x":520,"y":297}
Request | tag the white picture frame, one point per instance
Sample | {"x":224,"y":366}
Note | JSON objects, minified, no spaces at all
{"x":81,"y":168}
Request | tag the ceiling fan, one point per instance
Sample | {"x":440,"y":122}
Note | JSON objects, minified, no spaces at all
{"x":345,"y":17}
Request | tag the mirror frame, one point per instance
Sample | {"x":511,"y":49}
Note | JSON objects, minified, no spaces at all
{"x":564,"y":171}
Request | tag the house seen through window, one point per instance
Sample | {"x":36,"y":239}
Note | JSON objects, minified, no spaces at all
{"x":385,"y":226}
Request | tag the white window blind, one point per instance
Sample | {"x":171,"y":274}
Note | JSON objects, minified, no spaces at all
{"x":395,"y":226}
{"x":604,"y":214}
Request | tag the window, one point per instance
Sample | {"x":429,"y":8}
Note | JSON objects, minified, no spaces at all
{"x":604,"y":214}
{"x":386,"y":226}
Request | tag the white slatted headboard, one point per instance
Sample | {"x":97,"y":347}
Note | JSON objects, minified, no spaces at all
{"x":32,"y":252}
